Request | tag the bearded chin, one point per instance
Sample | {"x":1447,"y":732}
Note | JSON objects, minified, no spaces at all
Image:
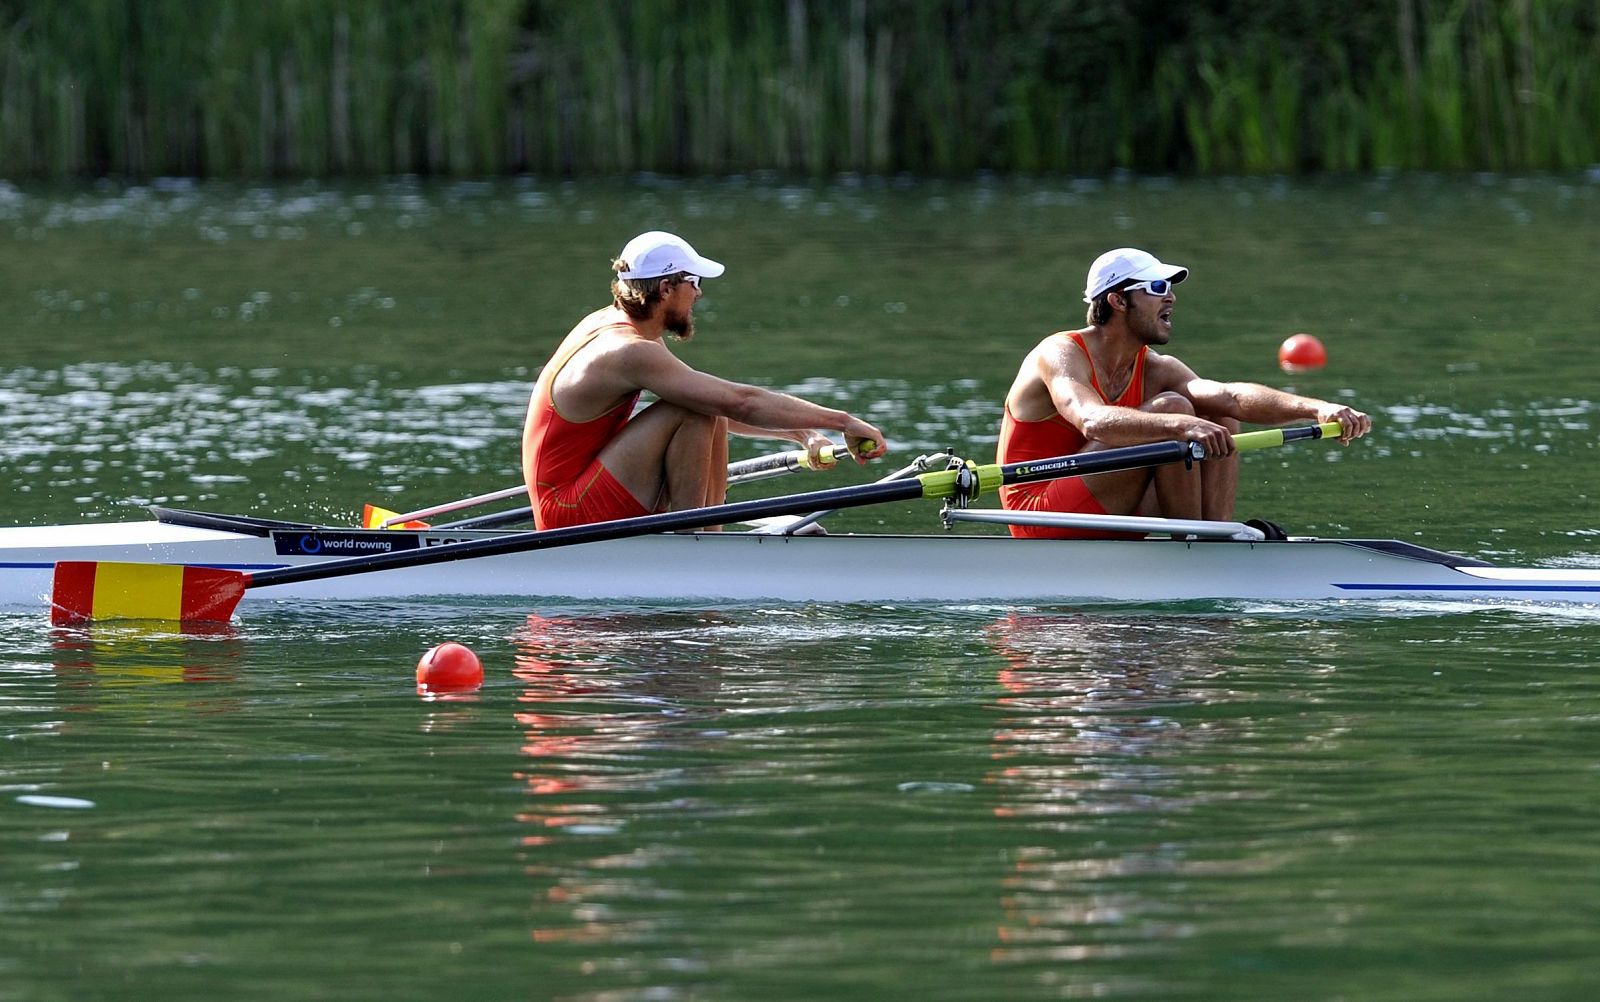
{"x":1148,"y":326}
{"x":681,"y":327}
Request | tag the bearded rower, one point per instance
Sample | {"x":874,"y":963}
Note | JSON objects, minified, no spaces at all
{"x":587,"y":457}
{"x":1104,"y":386}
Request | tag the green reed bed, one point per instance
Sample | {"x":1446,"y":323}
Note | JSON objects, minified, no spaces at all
{"x":471,"y":87}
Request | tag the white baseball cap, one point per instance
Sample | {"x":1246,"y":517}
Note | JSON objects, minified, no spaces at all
{"x":1117,"y":266}
{"x":653,"y":254}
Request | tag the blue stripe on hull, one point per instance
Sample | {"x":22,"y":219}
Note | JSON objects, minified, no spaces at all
{"x":1588,"y":589}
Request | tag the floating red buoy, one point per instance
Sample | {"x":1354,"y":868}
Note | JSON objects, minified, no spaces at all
{"x":1302,"y":353}
{"x":449,"y":668}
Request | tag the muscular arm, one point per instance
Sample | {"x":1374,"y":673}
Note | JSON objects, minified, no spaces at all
{"x":749,"y":409}
{"x":1259,"y":404}
{"x":1062,"y":372}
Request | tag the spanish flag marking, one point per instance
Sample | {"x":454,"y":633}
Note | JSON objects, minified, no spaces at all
{"x":84,"y":591}
{"x":373,"y":517}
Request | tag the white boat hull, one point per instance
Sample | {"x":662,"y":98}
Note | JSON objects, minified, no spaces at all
{"x":740,"y":567}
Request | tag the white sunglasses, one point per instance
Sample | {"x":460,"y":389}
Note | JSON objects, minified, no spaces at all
{"x":1156,"y":286}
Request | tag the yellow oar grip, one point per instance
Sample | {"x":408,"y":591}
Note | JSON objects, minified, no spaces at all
{"x":825,"y":454}
{"x":1270,"y":437}
{"x":1264,"y":439}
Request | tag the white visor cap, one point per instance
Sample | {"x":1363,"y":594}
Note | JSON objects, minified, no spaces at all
{"x":1117,"y":266}
{"x":654,"y":254}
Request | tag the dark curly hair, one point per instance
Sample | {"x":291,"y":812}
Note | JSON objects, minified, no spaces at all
{"x":1100,"y":310}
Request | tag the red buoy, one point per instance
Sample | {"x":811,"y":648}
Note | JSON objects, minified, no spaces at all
{"x":1302,"y":353}
{"x":449,"y":668}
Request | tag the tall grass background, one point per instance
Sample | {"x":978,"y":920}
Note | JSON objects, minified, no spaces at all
{"x":253,"y":88}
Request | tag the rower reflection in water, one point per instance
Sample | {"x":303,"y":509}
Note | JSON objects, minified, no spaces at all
{"x":1103,"y":387}
{"x":597,"y":710}
{"x":1094,"y":751}
{"x":586,"y":457}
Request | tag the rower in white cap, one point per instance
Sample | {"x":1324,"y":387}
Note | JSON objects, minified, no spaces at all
{"x":1103,"y":386}
{"x":587,"y":457}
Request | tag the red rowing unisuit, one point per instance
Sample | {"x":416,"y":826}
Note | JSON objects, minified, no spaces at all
{"x":566,"y":480}
{"x":1022,"y":441}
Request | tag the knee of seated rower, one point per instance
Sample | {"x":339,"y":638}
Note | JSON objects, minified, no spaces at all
{"x":664,"y":415}
{"x":695,"y":423}
{"x":1169,"y":402}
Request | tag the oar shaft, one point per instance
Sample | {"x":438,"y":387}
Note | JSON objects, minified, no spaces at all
{"x":511,"y":516}
{"x":920,"y":465}
{"x":744,"y":471}
{"x":1084,"y":464}
{"x":449,"y":506}
{"x":974,"y":480}
{"x":520,"y":542}
{"x":776,"y":464}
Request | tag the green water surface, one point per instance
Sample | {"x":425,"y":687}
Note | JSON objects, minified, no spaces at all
{"x":1203,"y":801}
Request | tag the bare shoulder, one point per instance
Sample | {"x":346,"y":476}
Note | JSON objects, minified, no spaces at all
{"x":624,"y":346}
{"x":1168,"y":370}
{"x":1058,"y":355}
{"x":1052,"y":360}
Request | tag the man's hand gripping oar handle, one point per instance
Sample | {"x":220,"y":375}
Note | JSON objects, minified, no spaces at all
{"x":859,"y":448}
{"x":972,"y":480}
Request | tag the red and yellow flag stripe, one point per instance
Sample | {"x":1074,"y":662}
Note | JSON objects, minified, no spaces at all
{"x":86,"y":590}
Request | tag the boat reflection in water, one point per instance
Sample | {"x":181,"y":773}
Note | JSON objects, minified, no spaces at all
{"x":606,"y":719}
{"x":144,"y":652}
{"x":1098,"y":746}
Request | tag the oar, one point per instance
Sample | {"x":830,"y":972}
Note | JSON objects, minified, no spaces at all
{"x":742,"y":472}
{"x":90,"y":590}
{"x":776,"y":465}
{"x":381,"y":518}
{"x":791,"y":525}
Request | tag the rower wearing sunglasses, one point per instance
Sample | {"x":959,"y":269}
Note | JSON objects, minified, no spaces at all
{"x":1104,"y":386}
{"x":587,"y":457}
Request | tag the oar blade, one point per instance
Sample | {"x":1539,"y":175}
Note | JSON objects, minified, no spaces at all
{"x":374,"y":517}
{"x":85,"y":591}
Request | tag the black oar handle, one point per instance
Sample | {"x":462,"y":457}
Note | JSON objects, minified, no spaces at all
{"x":1085,"y":464}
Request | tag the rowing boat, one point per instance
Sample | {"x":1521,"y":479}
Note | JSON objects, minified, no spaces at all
{"x":194,"y":567}
{"x":1186,"y":562}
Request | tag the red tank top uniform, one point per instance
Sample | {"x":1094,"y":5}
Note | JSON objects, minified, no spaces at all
{"x":567,"y":482}
{"x":1022,"y":441}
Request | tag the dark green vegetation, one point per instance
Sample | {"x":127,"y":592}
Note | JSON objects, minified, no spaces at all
{"x":362,"y":87}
